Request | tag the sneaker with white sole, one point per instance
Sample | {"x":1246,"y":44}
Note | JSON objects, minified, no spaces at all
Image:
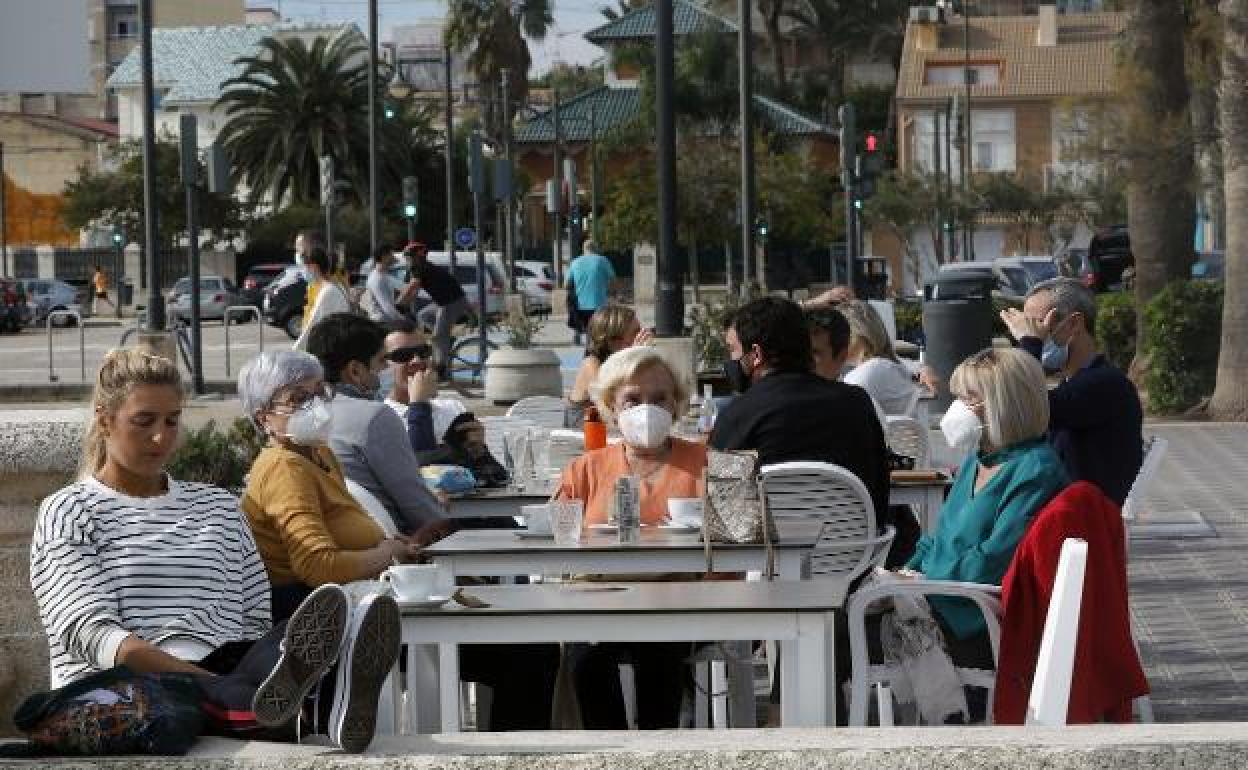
{"x":312,"y":642}
{"x":369,"y":653}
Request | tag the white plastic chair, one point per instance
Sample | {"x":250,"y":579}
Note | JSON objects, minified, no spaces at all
{"x":912,"y":404}
{"x":906,"y":436}
{"x":495,"y":427}
{"x":373,"y":507}
{"x":1050,"y":690}
{"x":543,"y":411}
{"x":1154,"y":452}
{"x":565,"y":446}
{"x":848,"y":544}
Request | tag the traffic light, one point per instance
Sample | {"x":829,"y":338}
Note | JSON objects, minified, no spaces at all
{"x":411,"y":196}
{"x":760,"y":227}
{"x":118,"y":237}
{"x":858,"y":202}
{"x":388,"y":111}
{"x":872,"y":142}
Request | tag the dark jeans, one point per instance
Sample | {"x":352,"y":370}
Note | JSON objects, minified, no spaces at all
{"x":660,"y":673}
{"x":240,"y":667}
{"x":522,"y":677}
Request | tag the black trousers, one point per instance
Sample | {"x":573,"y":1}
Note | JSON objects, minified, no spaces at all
{"x":660,"y":673}
{"x":237,"y":669}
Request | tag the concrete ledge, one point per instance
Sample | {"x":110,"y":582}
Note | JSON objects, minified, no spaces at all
{"x":76,"y":390}
{"x":1205,"y":746}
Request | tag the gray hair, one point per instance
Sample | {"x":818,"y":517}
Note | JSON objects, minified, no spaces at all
{"x":261,"y":377}
{"x":589,"y":247}
{"x":1069,"y":296}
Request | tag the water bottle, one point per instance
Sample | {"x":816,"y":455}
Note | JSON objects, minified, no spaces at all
{"x":706,"y":423}
{"x":628,"y":509}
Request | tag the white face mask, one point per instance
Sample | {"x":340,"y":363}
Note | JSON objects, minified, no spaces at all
{"x":962,"y":427}
{"x":310,"y":426}
{"x":646,"y":426}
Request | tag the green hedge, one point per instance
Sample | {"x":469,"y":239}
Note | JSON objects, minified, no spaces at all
{"x":210,"y":456}
{"x":1182,"y":329}
{"x":1115,"y":327}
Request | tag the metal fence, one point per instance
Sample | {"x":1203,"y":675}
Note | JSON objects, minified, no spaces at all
{"x":25,"y":264}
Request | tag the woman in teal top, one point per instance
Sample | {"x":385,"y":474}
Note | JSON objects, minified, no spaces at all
{"x":1002,"y":413}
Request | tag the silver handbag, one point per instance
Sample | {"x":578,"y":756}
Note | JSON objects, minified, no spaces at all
{"x":734,"y":509}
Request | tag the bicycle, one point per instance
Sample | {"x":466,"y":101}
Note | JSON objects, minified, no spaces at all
{"x":181,"y":336}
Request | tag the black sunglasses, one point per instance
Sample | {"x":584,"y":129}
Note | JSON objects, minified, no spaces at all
{"x":403,"y":355}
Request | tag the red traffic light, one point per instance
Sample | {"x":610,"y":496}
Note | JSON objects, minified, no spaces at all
{"x":873,"y":144}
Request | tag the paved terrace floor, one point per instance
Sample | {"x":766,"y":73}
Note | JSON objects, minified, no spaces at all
{"x":1189,"y":574}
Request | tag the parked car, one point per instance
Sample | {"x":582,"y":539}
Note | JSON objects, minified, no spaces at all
{"x":536,"y":280}
{"x":257,"y":279}
{"x":45,"y":296}
{"x":14,"y":311}
{"x":215,"y":295}
{"x":283,"y":302}
{"x":1109,"y":256}
{"x":1009,"y":282}
{"x":1037,"y":269}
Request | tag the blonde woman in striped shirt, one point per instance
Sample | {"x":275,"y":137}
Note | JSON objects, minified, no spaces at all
{"x":131,"y":567}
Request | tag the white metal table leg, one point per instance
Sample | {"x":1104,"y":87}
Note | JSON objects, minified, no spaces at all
{"x":448,"y":686}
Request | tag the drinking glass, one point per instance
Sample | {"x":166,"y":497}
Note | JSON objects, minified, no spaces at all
{"x":539,"y":447}
{"x":566,"y":520}
{"x":517,"y":445}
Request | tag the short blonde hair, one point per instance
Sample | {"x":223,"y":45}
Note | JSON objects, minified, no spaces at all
{"x":620,"y":369}
{"x":1015,"y":395}
{"x":866,"y":326}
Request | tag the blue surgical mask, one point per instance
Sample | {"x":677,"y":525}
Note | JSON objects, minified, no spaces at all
{"x":386,"y":378}
{"x":1054,"y":356}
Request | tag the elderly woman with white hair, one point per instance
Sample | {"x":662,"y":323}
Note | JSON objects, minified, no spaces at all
{"x":639,"y":391}
{"x":642,"y":394}
{"x":309,"y":529}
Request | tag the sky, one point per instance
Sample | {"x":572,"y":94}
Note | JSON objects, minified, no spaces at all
{"x":563,"y":43}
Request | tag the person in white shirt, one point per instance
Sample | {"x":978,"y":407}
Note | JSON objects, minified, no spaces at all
{"x":876,"y":368}
{"x":380,"y":290}
{"x":410,"y":387}
{"x":330,"y":297}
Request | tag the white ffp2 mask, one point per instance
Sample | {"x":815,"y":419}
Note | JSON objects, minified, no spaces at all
{"x":962,"y":427}
{"x":646,"y":426}
{"x":310,"y":426}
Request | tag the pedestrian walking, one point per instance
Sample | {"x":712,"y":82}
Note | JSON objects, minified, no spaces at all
{"x":591,"y":278}
{"x":100,"y":282}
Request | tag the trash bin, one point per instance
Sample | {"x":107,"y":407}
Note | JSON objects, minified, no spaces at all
{"x":127,"y":293}
{"x":957,"y":322}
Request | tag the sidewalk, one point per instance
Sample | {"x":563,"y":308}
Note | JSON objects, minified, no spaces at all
{"x":1189,"y":574}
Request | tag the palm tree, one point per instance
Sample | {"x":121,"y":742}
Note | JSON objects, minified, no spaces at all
{"x":495,"y":32}
{"x":849,"y":27}
{"x":292,"y":104}
{"x":1230,"y":401}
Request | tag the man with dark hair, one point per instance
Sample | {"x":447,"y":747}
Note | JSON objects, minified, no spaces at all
{"x":367,"y":437}
{"x":829,"y":341}
{"x":787,"y":412}
{"x":449,"y":302}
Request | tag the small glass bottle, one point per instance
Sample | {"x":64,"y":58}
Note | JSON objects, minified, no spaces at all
{"x":706,"y":423}
{"x":595,"y":430}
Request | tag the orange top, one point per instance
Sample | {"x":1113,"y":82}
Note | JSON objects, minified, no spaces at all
{"x":591,"y":477}
{"x":101,"y":281}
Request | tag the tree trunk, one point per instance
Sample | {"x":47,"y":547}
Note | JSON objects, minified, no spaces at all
{"x":694,"y":276}
{"x":1160,"y":198}
{"x":1230,"y":396}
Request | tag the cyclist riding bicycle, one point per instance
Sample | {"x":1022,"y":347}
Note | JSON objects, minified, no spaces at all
{"x":449,"y":302}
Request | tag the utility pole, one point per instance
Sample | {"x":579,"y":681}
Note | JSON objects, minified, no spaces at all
{"x":155,"y":302}
{"x":669,"y":310}
{"x":4,"y":221}
{"x":593,"y":170}
{"x":968,"y":233}
{"x":374,"y":236}
{"x":848,"y":144}
{"x":557,"y":175}
{"x":942,"y":254}
{"x":508,"y":230}
{"x":477,"y":173}
{"x":449,"y":95}
{"x":189,"y":136}
{"x":746,"y":76}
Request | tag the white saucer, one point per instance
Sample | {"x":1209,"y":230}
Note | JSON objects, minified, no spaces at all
{"x":432,"y":603}
{"x":524,"y":534}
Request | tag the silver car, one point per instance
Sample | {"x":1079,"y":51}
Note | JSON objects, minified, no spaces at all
{"x":215,"y":295}
{"x":45,"y":295}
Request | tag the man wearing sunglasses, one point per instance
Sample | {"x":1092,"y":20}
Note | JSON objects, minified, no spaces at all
{"x":410,"y":387}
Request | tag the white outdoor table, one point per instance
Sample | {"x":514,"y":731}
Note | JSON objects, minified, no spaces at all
{"x":502,"y":552}
{"x":797,"y":613}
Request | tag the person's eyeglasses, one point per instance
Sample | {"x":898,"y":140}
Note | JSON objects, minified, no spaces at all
{"x":403,"y":355}
{"x":296,"y":400}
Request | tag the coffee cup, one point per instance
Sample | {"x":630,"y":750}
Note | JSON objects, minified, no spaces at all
{"x":537,"y":519}
{"x":411,"y":582}
{"x":685,"y":511}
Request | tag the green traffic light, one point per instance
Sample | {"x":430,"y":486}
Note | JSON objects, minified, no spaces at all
{"x":858,"y":203}
{"x":389,"y":112}
{"x":409,"y":211}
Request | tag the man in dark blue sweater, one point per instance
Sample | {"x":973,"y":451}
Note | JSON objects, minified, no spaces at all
{"x":1095,"y":418}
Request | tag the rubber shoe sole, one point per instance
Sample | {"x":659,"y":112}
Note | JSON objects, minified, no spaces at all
{"x":371,"y":651}
{"x":313,"y":638}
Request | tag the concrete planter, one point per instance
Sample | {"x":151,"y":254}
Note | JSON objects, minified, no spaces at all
{"x":511,"y":375}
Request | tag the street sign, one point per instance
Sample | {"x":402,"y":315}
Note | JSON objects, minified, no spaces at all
{"x":465,"y":238}
{"x":326,"y":163}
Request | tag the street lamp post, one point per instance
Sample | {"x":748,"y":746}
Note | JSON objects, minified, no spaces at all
{"x":746,"y":118}
{"x":669,"y":310}
{"x":508,"y":230}
{"x":155,"y":303}
{"x":558,"y":177}
{"x":373,"y":213}
{"x":448,"y":95}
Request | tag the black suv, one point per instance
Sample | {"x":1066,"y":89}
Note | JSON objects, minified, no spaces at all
{"x":1109,"y":256}
{"x":283,"y":305}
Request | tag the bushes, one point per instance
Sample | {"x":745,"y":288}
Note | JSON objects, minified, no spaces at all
{"x":909,"y":317}
{"x":1182,"y":329}
{"x":1115,"y":327}
{"x":210,"y":456}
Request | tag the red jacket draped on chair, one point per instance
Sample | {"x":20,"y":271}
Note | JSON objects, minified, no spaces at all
{"x":1107,"y":673}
